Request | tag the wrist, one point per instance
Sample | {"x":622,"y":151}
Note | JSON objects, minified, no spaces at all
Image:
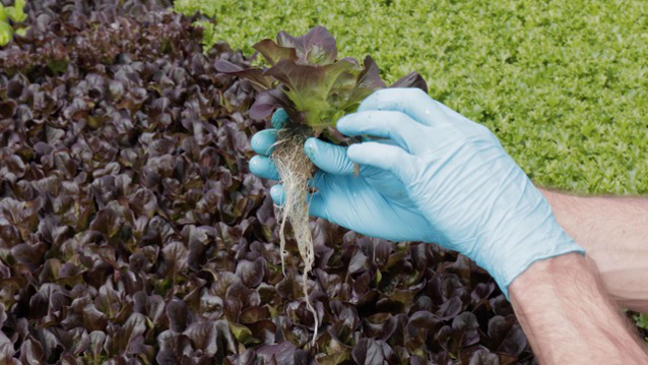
{"x":515,"y":250}
{"x":545,"y":276}
{"x":508,"y":271}
{"x":561,"y":299}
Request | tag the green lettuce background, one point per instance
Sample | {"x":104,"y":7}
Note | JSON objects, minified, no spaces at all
{"x":562,"y":83}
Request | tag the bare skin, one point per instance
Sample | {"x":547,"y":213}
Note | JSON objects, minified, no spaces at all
{"x":569,"y":319}
{"x":614,"y":232}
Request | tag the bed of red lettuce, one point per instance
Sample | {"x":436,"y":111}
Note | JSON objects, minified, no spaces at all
{"x":131,"y":231}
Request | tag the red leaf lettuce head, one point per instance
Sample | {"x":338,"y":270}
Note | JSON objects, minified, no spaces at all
{"x":309,"y":82}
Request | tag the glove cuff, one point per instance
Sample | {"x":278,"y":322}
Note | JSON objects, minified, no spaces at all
{"x":505,"y":274}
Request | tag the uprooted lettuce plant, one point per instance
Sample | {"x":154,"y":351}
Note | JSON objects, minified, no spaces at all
{"x":306,"y":79}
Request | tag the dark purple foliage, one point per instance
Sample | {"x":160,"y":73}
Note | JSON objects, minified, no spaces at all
{"x":132,"y":232}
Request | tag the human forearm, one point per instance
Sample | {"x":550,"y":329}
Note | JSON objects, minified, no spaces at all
{"x":614,"y":232}
{"x":560,"y":302}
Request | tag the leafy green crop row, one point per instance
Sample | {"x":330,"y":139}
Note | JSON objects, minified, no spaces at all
{"x":562,"y":83}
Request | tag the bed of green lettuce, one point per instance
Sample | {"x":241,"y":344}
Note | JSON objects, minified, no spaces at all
{"x":562,"y":83}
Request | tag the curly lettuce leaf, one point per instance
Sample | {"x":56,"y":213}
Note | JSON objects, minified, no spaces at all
{"x":309,"y":87}
{"x":254,"y":75}
{"x":315,"y":47}
{"x":347,"y":93}
{"x":307,"y":80}
{"x":274,"y":53}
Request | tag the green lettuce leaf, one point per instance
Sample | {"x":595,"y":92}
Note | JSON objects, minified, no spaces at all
{"x":22,"y":31}
{"x":309,"y":87}
{"x":17,"y":12}
{"x":6,"y":33}
{"x":3,"y":13}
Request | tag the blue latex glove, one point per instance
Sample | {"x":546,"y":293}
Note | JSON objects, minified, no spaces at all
{"x":474,"y":197}
{"x":375,"y":203}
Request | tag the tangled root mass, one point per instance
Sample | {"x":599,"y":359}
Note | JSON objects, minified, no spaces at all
{"x":295,"y":170}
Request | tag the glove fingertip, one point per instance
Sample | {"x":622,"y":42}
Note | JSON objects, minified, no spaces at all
{"x":311,"y":148}
{"x":345,"y":125}
{"x":328,"y":157}
{"x":263,"y":141}
{"x":355,"y":152}
{"x":263,"y":167}
{"x":278,"y":194}
{"x":279,"y":118}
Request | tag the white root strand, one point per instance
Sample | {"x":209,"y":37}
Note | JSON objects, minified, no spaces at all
{"x":295,"y":171}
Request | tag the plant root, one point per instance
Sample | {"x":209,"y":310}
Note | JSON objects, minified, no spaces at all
{"x":295,"y":171}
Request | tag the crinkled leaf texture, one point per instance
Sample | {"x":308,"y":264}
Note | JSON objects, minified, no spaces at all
{"x":317,"y":47}
{"x":319,"y":88}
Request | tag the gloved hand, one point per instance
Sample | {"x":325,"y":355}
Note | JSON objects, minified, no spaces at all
{"x":474,"y":197}
{"x":375,"y":203}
